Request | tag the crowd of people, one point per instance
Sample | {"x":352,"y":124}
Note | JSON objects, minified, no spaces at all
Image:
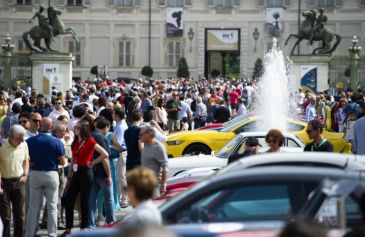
{"x":75,"y":149}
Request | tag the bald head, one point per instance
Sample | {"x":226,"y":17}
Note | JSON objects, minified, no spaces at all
{"x":46,"y":124}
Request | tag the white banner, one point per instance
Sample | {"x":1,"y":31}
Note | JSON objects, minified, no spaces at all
{"x":223,"y":40}
{"x":270,"y":16}
{"x":174,"y":22}
{"x":56,"y":81}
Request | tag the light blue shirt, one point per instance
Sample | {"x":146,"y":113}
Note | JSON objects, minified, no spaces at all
{"x":310,"y":112}
{"x":119,"y":130}
{"x":358,"y":144}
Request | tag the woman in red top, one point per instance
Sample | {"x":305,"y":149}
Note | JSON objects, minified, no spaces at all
{"x":80,"y":177}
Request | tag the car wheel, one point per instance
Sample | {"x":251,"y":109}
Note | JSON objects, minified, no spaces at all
{"x":196,"y":149}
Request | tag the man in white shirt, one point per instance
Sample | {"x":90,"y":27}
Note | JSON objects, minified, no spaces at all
{"x":58,"y":110}
{"x":119,"y":129}
{"x":310,"y":110}
{"x":241,"y":108}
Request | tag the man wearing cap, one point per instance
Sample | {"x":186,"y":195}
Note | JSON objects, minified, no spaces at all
{"x":251,"y":148}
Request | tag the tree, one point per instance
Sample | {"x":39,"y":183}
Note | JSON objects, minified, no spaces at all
{"x":147,"y":71}
{"x":258,"y":70}
{"x":94,"y":70}
{"x":215,"y":73}
{"x":183,"y":69}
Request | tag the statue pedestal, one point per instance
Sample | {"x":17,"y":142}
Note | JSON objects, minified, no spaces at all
{"x":310,"y":72}
{"x":51,"y":70}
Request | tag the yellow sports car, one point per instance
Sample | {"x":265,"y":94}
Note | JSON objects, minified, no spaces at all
{"x":206,"y":141}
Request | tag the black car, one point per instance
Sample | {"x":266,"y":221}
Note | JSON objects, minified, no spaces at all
{"x":257,"y":194}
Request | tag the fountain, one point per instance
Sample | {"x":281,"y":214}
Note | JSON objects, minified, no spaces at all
{"x":274,"y":92}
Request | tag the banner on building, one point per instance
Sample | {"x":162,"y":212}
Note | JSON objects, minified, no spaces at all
{"x":274,"y":21}
{"x":308,"y":78}
{"x":223,"y":40}
{"x":174,"y":22}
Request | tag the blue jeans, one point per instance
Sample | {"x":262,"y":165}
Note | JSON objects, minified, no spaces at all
{"x":100,"y":184}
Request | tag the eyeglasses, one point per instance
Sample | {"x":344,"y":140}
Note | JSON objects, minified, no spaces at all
{"x":141,"y":134}
{"x":36,"y":120}
{"x":23,"y":121}
{"x":58,"y":103}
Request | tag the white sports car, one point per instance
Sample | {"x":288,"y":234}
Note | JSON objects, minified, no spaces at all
{"x":234,"y":148}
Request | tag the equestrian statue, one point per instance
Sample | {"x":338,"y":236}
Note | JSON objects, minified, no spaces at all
{"x":47,"y":29}
{"x":314,"y":28}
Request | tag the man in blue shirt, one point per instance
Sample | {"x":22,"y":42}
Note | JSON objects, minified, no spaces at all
{"x":133,"y":144}
{"x":46,"y":153}
{"x":358,"y":144}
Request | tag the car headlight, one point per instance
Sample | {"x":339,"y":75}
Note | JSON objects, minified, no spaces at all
{"x":174,"y":143}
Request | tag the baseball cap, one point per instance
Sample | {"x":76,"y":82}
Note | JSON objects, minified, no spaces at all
{"x":252,"y":141}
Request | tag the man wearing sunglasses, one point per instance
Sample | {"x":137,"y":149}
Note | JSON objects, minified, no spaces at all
{"x":314,"y":131}
{"x":24,"y":118}
{"x":58,"y":110}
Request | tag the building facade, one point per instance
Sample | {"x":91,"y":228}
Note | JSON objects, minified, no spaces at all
{"x":126,"y":35}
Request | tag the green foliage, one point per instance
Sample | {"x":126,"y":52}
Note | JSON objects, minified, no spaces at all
{"x":94,"y":70}
{"x":258,"y":70}
{"x":215,"y":73}
{"x":183,"y":69}
{"x":147,"y":71}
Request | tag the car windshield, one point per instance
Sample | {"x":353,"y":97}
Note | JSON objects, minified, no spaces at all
{"x":234,"y":123}
{"x":226,"y":150}
{"x":256,"y":125}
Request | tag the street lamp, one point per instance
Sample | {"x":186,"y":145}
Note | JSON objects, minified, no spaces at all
{"x":7,"y":48}
{"x":354,"y":51}
{"x":191,"y":37}
{"x":256,"y":35}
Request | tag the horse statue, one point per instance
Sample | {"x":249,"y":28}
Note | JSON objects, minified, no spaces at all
{"x":47,"y":29}
{"x":315,"y":32}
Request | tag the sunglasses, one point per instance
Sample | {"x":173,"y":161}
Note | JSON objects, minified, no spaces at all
{"x":309,"y":131}
{"x":36,"y":120}
{"x":58,"y":103}
{"x":272,"y":141}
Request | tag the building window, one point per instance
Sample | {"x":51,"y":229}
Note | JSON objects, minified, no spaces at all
{"x":20,"y":45}
{"x":24,"y":2}
{"x":324,"y":3}
{"x":74,"y":2}
{"x":224,"y":3}
{"x":125,"y":53}
{"x":174,"y":53}
{"x":174,"y":3}
{"x":75,"y":49}
{"x":127,"y":3}
{"x":275,"y":3}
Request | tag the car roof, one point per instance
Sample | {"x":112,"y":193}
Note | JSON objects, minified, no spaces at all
{"x":267,"y":174}
{"x":344,"y":161}
{"x":286,"y":173}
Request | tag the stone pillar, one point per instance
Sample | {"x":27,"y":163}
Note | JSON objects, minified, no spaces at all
{"x":51,"y":69}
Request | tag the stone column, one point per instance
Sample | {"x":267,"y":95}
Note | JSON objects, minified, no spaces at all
{"x":354,"y":51}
